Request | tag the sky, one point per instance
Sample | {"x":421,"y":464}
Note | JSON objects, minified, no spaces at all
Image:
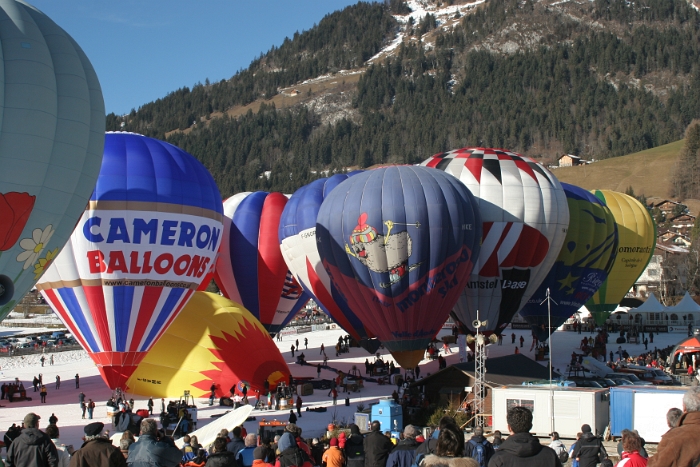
{"x":144,"y":49}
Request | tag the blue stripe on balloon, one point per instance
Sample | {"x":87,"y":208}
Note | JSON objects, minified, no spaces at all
{"x":123,"y":302}
{"x":77,"y":313}
{"x":245,"y":230}
{"x":163,"y":315}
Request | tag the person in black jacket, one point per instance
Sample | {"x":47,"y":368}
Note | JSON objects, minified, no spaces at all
{"x":355,"y":448}
{"x":221,"y":457}
{"x":589,"y":449}
{"x":32,"y":448}
{"x":521,"y":449}
{"x":405,"y":451}
{"x":377,"y":446}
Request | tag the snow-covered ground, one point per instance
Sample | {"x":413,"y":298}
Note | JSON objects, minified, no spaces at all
{"x":63,"y":402}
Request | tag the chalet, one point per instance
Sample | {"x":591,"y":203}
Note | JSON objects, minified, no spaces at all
{"x":294,"y":93}
{"x":682,"y":222}
{"x":650,"y":279}
{"x":667,"y":206}
{"x":669,"y":237}
{"x":569,"y":160}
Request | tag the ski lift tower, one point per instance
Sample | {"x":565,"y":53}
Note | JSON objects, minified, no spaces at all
{"x":480,"y":342}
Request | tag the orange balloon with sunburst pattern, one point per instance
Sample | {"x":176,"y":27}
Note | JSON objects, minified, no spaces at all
{"x":213,"y":340}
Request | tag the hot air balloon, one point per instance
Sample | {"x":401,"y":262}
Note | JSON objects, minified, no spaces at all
{"x":637,"y":238}
{"x":399,"y":243}
{"x":212,"y":341}
{"x":583,"y":263}
{"x":51,"y":142}
{"x":525,"y":217}
{"x":251,"y":269}
{"x":146,"y":240}
{"x":297,"y":235}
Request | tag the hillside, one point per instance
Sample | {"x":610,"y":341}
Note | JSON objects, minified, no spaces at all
{"x":647,"y":172}
{"x":399,"y":81}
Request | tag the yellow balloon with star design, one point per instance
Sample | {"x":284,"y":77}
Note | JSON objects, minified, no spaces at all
{"x":583,"y":263}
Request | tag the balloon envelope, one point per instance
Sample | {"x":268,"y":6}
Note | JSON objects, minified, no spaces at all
{"x":145,"y":242}
{"x":637,"y":238}
{"x":251,"y":269}
{"x":399,"y":244}
{"x":51,"y":142}
{"x":297,"y":236}
{"x":525,"y":217}
{"x":583,"y":263}
{"x":212,"y":341}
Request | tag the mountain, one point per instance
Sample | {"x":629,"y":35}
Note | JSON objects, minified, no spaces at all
{"x":399,"y":81}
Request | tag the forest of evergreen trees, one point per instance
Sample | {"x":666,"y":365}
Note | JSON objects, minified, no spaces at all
{"x":541,"y":101}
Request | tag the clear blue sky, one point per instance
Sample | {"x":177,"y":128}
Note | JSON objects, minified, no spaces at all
{"x":144,"y":49}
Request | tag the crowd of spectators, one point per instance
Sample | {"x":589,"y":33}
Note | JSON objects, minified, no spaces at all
{"x":29,"y":446}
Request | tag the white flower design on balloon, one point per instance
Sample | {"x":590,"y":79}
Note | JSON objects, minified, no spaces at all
{"x":34,"y":246}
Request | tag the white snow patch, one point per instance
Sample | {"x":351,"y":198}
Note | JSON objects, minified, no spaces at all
{"x":420,"y":8}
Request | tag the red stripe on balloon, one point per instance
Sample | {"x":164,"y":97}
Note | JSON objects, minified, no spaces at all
{"x":522,"y":165}
{"x":434,"y":162}
{"x":96,"y":302}
{"x":272,"y":270}
{"x":149,"y":301}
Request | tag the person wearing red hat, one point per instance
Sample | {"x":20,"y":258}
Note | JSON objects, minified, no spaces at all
{"x":333,"y":457}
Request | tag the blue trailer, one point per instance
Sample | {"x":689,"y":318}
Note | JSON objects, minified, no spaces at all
{"x":643,"y":408}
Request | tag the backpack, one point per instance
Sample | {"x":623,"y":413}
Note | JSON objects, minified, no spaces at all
{"x":479,"y":452}
{"x":563,"y":457}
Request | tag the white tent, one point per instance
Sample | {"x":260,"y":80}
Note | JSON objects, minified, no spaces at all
{"x":652,"y":305}
{"x":687,"y":305}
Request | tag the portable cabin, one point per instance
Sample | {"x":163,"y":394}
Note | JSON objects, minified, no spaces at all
{"x":389,"y":414}
{"x":643,"y":408}
{"x":573,"y":407}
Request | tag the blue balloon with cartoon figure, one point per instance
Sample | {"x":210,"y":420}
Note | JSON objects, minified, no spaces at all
{"x":399,"y":243}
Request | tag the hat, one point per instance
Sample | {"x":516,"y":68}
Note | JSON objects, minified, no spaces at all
{"x":291,"y":428}
{"x":94,"y":429}
{"x":410,"y":431}
{"x":334,"y":442}
{"x":259,"y":453}
{"x":31,"y":420}
{"x":286,"y":441}
{"x":586,"y":428}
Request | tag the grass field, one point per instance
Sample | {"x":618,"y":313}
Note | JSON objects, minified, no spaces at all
{"x":647,"y":172}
